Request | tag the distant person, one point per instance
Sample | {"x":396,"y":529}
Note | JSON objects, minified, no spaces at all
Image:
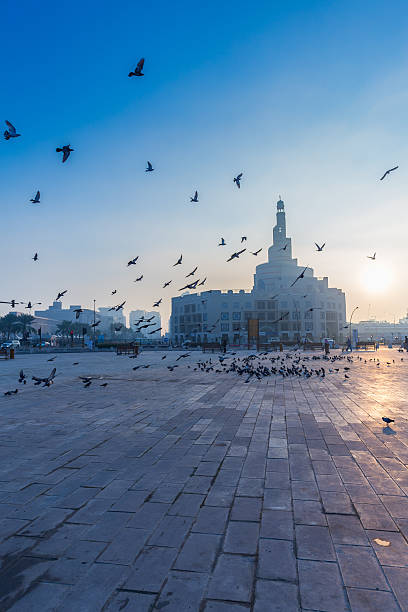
{"x":224,"y":345}
{"x":326,"y":347}
{"x":406,"y":343}
{"x":348,"y":345}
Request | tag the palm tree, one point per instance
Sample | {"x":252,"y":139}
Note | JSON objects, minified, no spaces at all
{"x":8,"y":324}
{"x":23,"y":323}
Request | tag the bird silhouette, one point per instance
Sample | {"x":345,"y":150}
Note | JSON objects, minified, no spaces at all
{"x":285,"y":247}
{"x":149,"y":167}
{"x":35,"y":258}
{"x":133,"y":261}
{"x":138,"y":70}
{"x":192,"y":272}
{"x":66,"y":152}
{"x":36,"y":198}
{"x":195,"y":197}
{"x":166,"y":284}
{"x":157,"y":304}
{"x":236,"y":255}
{"x":243,"y":239}
{"x":256,"y":252}
{"x":139,"y":278}
{"x":388,"y":420}
{"x":120,"y":307}
{"x":114,"y":291}
{"x":320,"y":248}
{"x":60,"y":295}
{"x":237,"y":180}
{"x":78,"y":312}
{"x":11,"y":132}
{"x":301,"y":275}
{"x":96,"y":323}
{"x":222,"y":243}
{"x":388,"y":172}
{"x":372,"y":256}
{"x":202,"y":282}
{"x":178,"y":262}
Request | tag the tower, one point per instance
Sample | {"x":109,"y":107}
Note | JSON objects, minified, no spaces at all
{"x":279,"y":231}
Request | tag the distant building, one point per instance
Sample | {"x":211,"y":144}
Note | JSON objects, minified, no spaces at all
{"x":135,"y":315}
{"x":49,"y":319}
{"x":115,"y":316}
{"x":308,"y":309}
{"x":382,"y":330}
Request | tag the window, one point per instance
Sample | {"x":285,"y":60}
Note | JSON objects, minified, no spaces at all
{"x":283,"y":304}
{"x":309,"y":326}
{"x":272,"y":316}
{"x":308,"y":315}
{"x":236,"y":326}
{"x":261,"y":316}
{"x":260,"y":305}
{"x":193,"y":308}
{"x":247,"y":315}
{"x":236,"y":316}
{"x":224,"y":327}
{"x":205,"y":316}
{"x":296,"y":316}
{"x":271,"y":305}
{"x":187,"y":308}
{"x":235,"y":305}
{"x":225,"y":304}
{"x":248,"y":304}
{"x":224,"y":316}
{"x":322,"y":315}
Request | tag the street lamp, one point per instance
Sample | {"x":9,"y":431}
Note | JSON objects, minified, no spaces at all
{"x":351,"y":316}
{"x":94,"y":326}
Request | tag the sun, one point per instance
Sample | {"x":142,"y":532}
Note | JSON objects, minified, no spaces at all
{"x":376,"y":277}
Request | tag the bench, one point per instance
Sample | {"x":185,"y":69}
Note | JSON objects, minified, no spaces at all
{"x":313,"y":346}
{"x":4,"y":353}
{"x":365,"y":346}
{"x":127,"y":349}
{"x":270,"y":346}
{"x":211,"y":346}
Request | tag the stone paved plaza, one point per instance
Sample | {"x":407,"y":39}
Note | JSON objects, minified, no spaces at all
{"x":195,"y":491}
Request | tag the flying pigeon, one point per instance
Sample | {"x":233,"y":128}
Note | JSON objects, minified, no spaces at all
{"x":139,"y":278}
{"x":285,"y":247}
{"x":149,"y":167}
{"x":138,"y":69}
{"x":120,"y":306}
{"x":192,"y":272}
{"x":178,"y":262}
{"x":96,"y":324}
{"x":166,"y":284}
{"x":222,"y":243}
{"x":371,"y":256}
{"x":66,"y":150}
{"x":387,"y":172}
{"x":202,"y":282}
{"x":36,"y":198}
{"x":195,"y":198}
{"x":11,"y":132}
{"x":236,"y":255}
{"x":157,"y":304}
{"x":256,"y":252}
{"x":132,"y":262}
{"x":35,"y":258}
{"x":301,"y":275}
{"x":237,"y":180}
{"x":114,"y":291}
{"x":61,"y":294}
{"x":78,"y":312}
{"x":320,"y":248}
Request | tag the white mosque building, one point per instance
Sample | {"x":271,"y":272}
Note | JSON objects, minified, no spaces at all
{"x":309,"y":309}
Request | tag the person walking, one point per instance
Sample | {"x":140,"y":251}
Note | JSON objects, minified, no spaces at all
{"x":326,"y":347}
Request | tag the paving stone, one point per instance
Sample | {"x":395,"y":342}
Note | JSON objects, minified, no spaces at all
{"x":96,"y":586}
{"x":151,"y":569}
{"x":314,"y":542}
{"x":246,"y":509}
{"x":183,"y":592}
{"x":276,"y":560}
{"x":336,"y":503}
{"x":211,"y":520}
{"x":220,"y":496}
{"x":275,"y":499}
{"x":241,"y":538}
{"x":360,"y":568}
{"x":130,"y":501}
{"x":305,"y":490}
{"x":396,"y":506}
{"x":274,"y":596}
{"x":251,"y":487}
{"x":131,"y":602}
{"x":277,"y":524}
{"x":126,"y":546}
{"x":187,"y":504}
{"x":232,"y":578}
{"x":308,"y":513}
{"x":220,"y":606}
{"x":396,"y":554}
{"x":375,"y":516}
{"x":171,"y":531}
{"x":363,"y":600}
{"x":321,"y":587}
{"x":108,"y":526}
{"x":398,"y":579}
{"x":346,"y":529}
{"x":148,"y":516}
{"x":42,"y":597}
{"x":198,"y":553}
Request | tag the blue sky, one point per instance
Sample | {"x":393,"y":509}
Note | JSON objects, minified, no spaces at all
{"x":308,"y":99}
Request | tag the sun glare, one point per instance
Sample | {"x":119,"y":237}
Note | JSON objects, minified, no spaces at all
{"x":376,"y":277}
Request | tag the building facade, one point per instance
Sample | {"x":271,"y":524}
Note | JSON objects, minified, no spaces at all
{"x":287,"y":312}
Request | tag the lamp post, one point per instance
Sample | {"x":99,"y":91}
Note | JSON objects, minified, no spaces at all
{"x":351,"y":316}
{"x":94,"y":328}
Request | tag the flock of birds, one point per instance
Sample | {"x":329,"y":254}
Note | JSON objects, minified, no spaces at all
{"x":11,"y":133}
